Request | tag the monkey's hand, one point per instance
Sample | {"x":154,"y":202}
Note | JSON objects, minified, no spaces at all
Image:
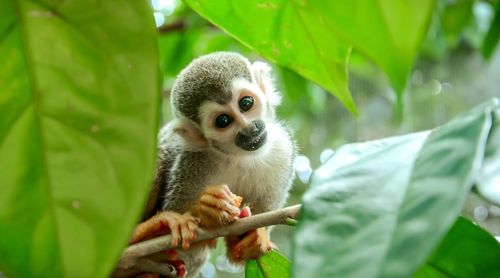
{"x":217,"y":206}
{"x":182,"y":227}
{"x":249,"y":245}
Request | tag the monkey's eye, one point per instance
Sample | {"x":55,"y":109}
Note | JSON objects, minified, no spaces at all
{"x":246,"y":103}
{"x":223,"y":121}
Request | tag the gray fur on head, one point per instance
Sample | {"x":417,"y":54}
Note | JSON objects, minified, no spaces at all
{"x":209,"y":78}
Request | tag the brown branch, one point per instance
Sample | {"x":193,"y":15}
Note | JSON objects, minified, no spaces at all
{"x":171,"y":27}
{"x":132,"y":261}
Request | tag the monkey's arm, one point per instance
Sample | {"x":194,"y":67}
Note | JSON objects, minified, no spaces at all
{"x":165,"y":160}
{"x":154,"y":222}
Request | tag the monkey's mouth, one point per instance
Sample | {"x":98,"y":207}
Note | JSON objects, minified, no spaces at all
{"x":253,"y":143}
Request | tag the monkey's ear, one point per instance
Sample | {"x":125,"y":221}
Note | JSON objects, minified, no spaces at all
{"x":262,"y":73}
{"x":191,"y":133}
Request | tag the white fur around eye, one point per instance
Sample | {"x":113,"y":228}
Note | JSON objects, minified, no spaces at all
{"x":208,"y":112}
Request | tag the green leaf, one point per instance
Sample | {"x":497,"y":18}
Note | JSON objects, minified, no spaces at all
{"x":466,"y":251}
{"x":79,"y":105}
{"x":378,"y":209}
{"x":492,"y":37}
{"x":390,"y":32}
{"x":271,"y":265}
{"x":289,"y":33}
{"x":488,"y":180}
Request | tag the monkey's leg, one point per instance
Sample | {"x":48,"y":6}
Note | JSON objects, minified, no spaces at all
{"x":250,"y":245}
{"x":217,"y":206}
{"x":182,"y":227}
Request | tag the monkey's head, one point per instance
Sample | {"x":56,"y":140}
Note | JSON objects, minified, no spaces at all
{"x":224,"y":103}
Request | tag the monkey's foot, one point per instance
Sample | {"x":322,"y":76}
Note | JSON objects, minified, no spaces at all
{"x":217,"y":206}
{"x":182,"y":227}
{"x":253,"y":245}
{"x":170,"y":257}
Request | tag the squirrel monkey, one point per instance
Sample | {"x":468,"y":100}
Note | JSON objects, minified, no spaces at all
{"x":224,"y":142}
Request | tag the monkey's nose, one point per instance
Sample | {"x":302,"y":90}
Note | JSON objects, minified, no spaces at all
{"x":255,"y":128}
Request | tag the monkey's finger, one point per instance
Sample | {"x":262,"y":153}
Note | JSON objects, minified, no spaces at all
{"x":174,"y":230}
{"x":145,"y":229}
{"x":186,"y":235}
{"x":221,"y":216}
{"x":190,"y":218}
{"x":220,"y":191}
{"x":247,"y":240}
{"x":212,"y":201}
{"x":248,"y":250}
{"x":233,"y":198}
{"x":193,"y":229}
{"x":251,"y":252}
{"x":214,"y":221}
{"x":257,"y":248}
{"x":223,"y":192}
{"x":226,"y":189}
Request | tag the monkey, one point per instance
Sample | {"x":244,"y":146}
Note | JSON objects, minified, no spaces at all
{"x":223,"y":146}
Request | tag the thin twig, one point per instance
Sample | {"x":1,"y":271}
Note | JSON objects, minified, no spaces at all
{"x":133,"y":254}
{"x":171,"y":27}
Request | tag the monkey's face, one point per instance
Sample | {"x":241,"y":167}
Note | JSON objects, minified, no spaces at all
{"x":225,"y":104}
{"x":240,"y":126}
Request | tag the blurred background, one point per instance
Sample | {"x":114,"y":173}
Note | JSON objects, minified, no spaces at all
{"x":449,"y":77}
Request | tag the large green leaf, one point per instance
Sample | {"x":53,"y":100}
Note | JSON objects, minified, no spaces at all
{"x":378,"y":209}
{"x":388,"y":31}
{"x":466,"y":251}
{"x":79,"y":108}
{"x":271,"y":265}
{"x":289,"y":33}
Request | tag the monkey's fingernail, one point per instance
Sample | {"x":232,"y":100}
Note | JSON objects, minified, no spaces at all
{"x":233,"y":210}
{"x":226,"y":216}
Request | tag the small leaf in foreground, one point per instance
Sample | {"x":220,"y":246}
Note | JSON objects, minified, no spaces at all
{"x":271,"y":265}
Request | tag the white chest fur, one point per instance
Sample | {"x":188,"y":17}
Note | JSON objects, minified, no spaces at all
{"x":263,"y":181}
